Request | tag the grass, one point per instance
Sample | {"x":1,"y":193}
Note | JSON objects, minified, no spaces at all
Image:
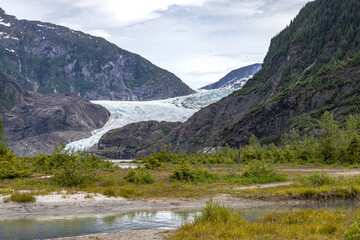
{"x":21,"y":197}
{"x":214,"y":179}
{"x":219,"y":222}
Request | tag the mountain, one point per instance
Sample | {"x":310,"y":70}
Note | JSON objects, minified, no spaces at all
{"x":312,"y":66}
{"x":235,"y":79}
{"x":34,"y":122}
{"x":48,"y":58}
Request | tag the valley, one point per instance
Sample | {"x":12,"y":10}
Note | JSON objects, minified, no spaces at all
{"x":280,"y":139}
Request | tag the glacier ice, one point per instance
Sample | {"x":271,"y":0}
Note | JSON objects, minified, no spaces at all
{"x":170,"y":110}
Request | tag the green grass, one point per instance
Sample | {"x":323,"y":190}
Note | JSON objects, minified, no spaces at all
{"x":219,"y":222}
{"x":21,"y":197}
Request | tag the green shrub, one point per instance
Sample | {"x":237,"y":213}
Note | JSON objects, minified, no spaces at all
{"x":353,"y":233}
{"x":260,"y":172}
{"x":72,"y":174}
{"x":152,"y":162}
{"x":21,"y":197}
{"x":185,"y":173}
{"x":138,"y":177}
{"x":13,"y":167}
{"x":316,"y":179}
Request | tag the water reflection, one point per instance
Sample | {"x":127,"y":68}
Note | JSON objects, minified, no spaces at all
{"x":44,"y":228}
{"x":66,"y":227}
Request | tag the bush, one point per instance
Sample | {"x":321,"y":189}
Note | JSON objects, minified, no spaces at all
{"x":316,"y":179}
{"x":260,"y":172}
{"x":152,"y":162}
{"x":13,"y":167}
{"x":187,"y":174}
{"x":137,"y":177}
{"x":21,"y":197}
{"x":354,"y":232}
{"x":72,"y":174}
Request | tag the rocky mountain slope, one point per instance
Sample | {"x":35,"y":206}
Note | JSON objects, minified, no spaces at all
{"x":235,"y":79}
{"x":48,"y":58}
{"x":311,"y":67}
{"x":134,"y":139}
{"x":34,"y":122}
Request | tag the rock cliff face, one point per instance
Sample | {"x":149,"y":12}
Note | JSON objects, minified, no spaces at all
{"x":35,"y":122}
{"x":48,"y":58}
{"x":235,"y":79}
{"x":311,"y":67}
{"x":133,"y":140}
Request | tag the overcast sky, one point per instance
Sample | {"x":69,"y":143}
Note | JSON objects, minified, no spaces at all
{"x":200,"y":41}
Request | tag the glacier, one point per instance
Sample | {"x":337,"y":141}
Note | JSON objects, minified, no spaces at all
{"x":170,"y":110}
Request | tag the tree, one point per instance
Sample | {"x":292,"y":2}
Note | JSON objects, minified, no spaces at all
{"x":330,"y":134}
{"x":353,"y":151}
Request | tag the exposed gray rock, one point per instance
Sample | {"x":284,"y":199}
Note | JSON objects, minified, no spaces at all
{"x":133,"y":140}
{"x":35,"y":122}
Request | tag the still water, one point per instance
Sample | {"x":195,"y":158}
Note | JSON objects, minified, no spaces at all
{"x":55,"y":227}
{"x":124,"y":163}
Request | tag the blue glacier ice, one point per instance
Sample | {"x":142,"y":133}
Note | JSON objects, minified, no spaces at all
{"x":170,"y":110}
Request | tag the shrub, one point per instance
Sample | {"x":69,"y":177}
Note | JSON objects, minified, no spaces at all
{"x":316,"y":179}
{"x":21,"y":197}
{"x":137,"y":177}
{"x":72,"y":174}
{"x":13,"y":167}
{"x":260,"y":172}
{"x":353,"y":233}
{"x":187,"y":174}
{"x":152,"y":162}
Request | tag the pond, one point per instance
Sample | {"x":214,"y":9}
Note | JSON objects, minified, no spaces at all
{"x":124,"y":163}
{"x":55,"y":227}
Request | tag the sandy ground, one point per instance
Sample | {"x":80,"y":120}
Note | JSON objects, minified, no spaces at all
{"x":80,"y":205}
{"x":129,"y":235}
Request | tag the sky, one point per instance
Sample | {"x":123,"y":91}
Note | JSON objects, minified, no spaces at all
{"x":200,"y":41}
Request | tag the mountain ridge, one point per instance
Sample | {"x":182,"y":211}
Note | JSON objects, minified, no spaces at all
{"x":236,"y":79}
{"x":49,"y":58}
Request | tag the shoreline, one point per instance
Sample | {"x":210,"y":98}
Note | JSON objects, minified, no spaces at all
{"x":80,"y":205}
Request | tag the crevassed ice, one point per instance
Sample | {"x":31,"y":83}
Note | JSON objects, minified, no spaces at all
{"x":170,"y":110}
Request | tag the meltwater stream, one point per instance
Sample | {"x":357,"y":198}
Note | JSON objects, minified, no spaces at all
{"x":177,"y":109}
{"x":56,"y":227}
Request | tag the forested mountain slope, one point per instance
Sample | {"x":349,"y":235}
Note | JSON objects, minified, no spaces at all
{"x":312,"y":66}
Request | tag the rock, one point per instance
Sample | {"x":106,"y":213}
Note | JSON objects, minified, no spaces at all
{"x":236,"y":79}
{"x":35,"y":122}
{"x":48,"y":58}
{"x":133,"y":140}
